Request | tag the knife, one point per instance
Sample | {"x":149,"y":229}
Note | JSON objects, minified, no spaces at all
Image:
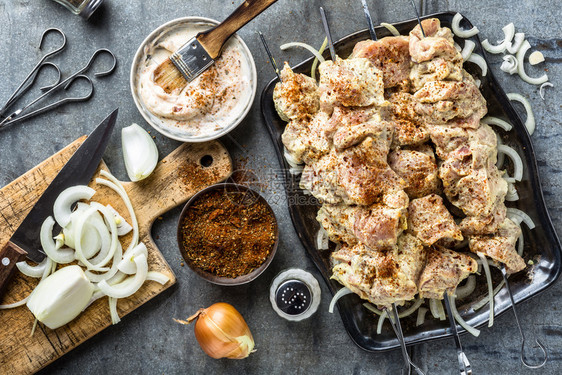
{"x":78,"y":170}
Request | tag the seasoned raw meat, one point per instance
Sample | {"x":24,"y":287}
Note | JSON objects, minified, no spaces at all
{"x":429,"y":220}
{"x":418,"y":168}
{"x":296,"y":96}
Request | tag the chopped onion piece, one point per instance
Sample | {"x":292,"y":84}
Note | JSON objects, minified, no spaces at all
{"x":322,"y":240}
{"x":457,"y":46}
{"x":33,"y":271}
{"x":62,"y":256}
{"x":520,"y":245}
{"x":159,"y":277}
{"x":467,"y":49}
{"x":126,"y":289}
{"x":517,"y":43}
{"x":393,"y":30}
{"x":478,"y":305}
{"x":490,"y":287}
{"x":381,"y":321}
{"x":122,"y":226}
{"x":500,"y":155}
{"x":96,"y":277}
{"x":536,"y":58}
{"x":436,"y":308}
{"x":410,"y":310}
{"x":518,"y":216}
{"x":139,"y":152}
{"x":127,"y":264}
{"x":15,"y":304}
{"x":491,"y":120}
{"x":479,"y":60}
{"x":421,"y":316}
{"x":305,"y":46}
{"x":511,"y":195}
{"x":113,"y":310}
{"x":63,"y":204}
{"x":509,"y":32}
{"x":340,"y":293}
{"x":475,"y":332}
{"x":543,"y":86}
{"x":517,"y":162}
{"x":509,"y":64}
{"x":455,"y":26}
{"x":315,"y":62}
{"x":78,"y":234}
{"x":105,"y":237}
{"x":521,"y":67}
{"x":467,"y":289}
{"x":530,"y":121}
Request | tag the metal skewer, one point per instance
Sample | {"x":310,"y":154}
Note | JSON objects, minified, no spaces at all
{"x":369,"y":20}
{"x":540,"y":344}
{"x":328,"y":34}
{"x":418,"y":17}
{"x":464,"y":365}
{"x":269,"y":55}
{"x":395,"y":323}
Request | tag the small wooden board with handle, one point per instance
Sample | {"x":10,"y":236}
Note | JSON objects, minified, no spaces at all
{"x":176,"y":178}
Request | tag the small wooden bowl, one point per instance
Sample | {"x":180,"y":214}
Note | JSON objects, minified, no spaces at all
{"x":220,"y":280}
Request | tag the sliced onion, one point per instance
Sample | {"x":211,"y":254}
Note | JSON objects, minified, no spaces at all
{"x":509,"y":64}
{"x":521,"y":67}
{"x":517,"y":162}
{"x":322,"y":240}
{"x":518,"y":216}
{"x":139,"y":151}
{"x":33,"y":271}
{"x":509,"y":32}
{"x":473,"y":331}
{"x":536,"y":58}
{"x":517,"y":43}
{"x":490,"y":287}
{"x":511,"y":195}
{"x":97,"y":277}
{"x":457,"y":47}
{"x":410,"y":310}
{"x":340,"y":293}
{"x":500,"y":155}
{"x":478,"y":305}
{"x":381,"y":321}
{"x":63,"y":204}
{"x":113,"y":310}
{"x":455,"y":26}
{"x":305,"y":46}
{"x":520,"y":245}
{"x":315,"y":62}
{"x":78,"y":231}
{"x":467,"y":49}
{"x":127,"y":264}
{"x":530,"y":121}
{"x":159,"y":277}
{"x":479,"y":60}
{"x":126,"y":289}
{"x":105,"y":236}
{"x":393,"y":30}
{"x":97,"y":295}
{"x":436,"y":308}
{"x":543,"y":86}
{"x":15,"y":304}
{"x":477,"y":82}
{"x":467,"y":289}
{"x":372,"y":309}
{"x":123,"y":227}
{"x":491,"y":120}
{"x":421,"y":316}
{"x":62,"y":256}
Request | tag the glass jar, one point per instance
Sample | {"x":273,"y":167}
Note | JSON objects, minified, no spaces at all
{"x":83,"y":8}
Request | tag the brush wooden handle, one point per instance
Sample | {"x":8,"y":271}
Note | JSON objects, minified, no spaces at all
{"x":213,"y":40}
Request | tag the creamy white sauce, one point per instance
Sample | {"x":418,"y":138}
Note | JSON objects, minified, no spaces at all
{"x":213,"y":101}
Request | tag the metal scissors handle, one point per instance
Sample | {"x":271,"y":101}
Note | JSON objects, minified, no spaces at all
{"x":59,"y":103}
{"x":397,"y":328}
{"x":64,"y":84}
{"x":464,"y":365}
{"x":22,"y":88}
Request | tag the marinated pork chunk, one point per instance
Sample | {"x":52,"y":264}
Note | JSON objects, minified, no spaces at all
{"x":378,"y":226}
{"x":296,"y":96}
{"x":409,"y":128}
{"x":418,"y":168}
{"x":438,"y":42}
{"x":353,"y":125}
{"x":381,"y":277}
{"x":355,"y":175}
{"x":438,"y":69}
{"x":390,"y":55}
{"x":449,"y":102}
{"x":429,"y":220}
{"x":308,"y":140}
{"x":444,"y":270}
{"x":350,"y":83}
{"x":500,"y":246}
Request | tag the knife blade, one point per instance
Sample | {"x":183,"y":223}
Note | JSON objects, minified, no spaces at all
{"x":77,"y":171}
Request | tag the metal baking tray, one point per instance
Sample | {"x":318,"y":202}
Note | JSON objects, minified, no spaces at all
{"x":542,"y":245}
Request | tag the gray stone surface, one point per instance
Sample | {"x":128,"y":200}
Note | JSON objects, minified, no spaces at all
{"x":148,"y":341}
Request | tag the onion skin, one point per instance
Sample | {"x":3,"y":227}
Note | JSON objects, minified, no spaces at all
{"x":222,"y":332}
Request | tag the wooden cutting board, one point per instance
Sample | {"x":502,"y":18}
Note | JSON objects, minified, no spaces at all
{"x":174,"y":181}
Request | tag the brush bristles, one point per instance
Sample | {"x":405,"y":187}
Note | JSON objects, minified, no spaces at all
{"x":167,"y":76}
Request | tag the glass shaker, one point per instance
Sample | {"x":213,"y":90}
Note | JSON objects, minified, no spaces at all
{"x":83,"y":8}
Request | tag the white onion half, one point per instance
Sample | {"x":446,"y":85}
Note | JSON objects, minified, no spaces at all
{"x":455,"y":26}
{"x":139,"y":151}
{"x":62,"y":208}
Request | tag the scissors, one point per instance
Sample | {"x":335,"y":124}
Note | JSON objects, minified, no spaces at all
{"x":20,"y":114}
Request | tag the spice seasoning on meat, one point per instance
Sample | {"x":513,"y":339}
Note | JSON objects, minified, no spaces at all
{"x":227,"y":234}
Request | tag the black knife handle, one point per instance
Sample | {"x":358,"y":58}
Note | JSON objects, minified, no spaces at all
{"x":9,"y":256}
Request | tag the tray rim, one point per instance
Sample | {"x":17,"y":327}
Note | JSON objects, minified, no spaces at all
{"x":529,"y":154}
